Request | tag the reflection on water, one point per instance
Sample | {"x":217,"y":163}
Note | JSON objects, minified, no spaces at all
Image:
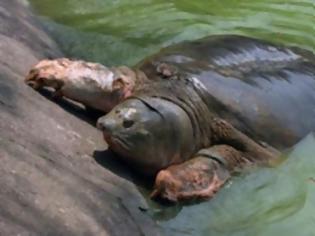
{"x":125,"y":31}
{"x":268,"y":202}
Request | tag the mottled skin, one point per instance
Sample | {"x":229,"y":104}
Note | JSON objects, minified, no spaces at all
{"x":92,"y":84}
{"x":225,"y":101}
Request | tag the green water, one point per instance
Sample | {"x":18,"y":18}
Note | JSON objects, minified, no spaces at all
{"x":269,"y":202}
{"x":124,"y":31}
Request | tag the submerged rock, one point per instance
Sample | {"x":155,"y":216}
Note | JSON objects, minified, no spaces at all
{"x":51,"y":183}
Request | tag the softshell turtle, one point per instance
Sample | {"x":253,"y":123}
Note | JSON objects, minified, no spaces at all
{"x":198,"y":111}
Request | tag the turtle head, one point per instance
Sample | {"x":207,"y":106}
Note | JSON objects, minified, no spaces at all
{"x":148,"y":133}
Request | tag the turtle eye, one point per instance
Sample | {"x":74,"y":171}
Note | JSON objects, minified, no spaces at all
{"x":128,"y":123}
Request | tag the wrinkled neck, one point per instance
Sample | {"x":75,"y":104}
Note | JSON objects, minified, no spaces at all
{"x":187,"y":97}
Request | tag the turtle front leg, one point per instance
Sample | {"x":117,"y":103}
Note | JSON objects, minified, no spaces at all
{"x":92,"y":84}
{"x":201,"y":177}
{"x":224,"y":133}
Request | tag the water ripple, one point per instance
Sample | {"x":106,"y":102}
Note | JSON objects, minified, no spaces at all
{"x":148,"y":25}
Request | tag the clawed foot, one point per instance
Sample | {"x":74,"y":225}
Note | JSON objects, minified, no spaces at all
{"x":197,"y":179}
{"x":48,"y":73}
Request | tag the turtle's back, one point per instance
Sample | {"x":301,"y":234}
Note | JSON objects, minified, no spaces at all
{"x":265,"y":90}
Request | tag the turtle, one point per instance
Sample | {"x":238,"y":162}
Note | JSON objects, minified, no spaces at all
{"x":197,"y":112}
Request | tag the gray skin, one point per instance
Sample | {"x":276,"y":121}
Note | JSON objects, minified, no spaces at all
{"x":227,"y":99}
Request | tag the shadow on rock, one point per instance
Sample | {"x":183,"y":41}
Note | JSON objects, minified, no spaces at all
{"x":88,"y":115}
{"x":157,"y":208}
{"x":111,"y":161}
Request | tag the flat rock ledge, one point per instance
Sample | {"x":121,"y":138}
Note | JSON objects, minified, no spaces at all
{"x":51,"y":182}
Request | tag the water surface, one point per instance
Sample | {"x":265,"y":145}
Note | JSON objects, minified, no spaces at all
{"x":125,"y":31}
{"x":267,"y":202}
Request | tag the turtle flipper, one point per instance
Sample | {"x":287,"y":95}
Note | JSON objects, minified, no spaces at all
{"x":91,"y":84}
{"x":201,"y":177}
{"x":224,"y":133}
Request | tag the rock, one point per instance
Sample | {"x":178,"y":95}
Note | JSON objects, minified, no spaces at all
{"x":51,"y":182}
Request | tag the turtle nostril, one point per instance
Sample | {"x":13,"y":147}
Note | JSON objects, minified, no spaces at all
{"x":105,"y":124}
{"x":99,"y":125}
{"x":128,"y":123}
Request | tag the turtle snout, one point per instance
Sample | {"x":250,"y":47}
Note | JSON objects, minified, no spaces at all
{"x":117,"y":119}
{"x":106,"y":124}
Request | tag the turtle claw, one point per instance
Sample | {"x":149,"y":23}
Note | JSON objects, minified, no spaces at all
{"x":33,"y":80}
{"x":197,"y":179}
{"x":165,"y":187}
{"x":48,"y":73}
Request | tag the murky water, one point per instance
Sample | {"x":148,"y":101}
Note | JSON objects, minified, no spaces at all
{"x":125,"y":31}
{"x":275,"y":201}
